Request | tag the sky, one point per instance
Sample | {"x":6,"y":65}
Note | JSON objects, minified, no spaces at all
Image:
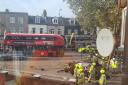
{"x":36,"y":7}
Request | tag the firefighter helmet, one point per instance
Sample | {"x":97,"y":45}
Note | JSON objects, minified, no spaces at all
{"x":102,"y":71}
{"x":93,"y":63}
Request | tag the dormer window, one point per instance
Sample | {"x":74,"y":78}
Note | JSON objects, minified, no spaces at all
{"x":55,"y":20}
{"x":37,"y":19}
{"x":72,"y":21}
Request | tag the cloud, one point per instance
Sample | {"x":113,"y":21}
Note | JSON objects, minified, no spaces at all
{"x":36,"y":7}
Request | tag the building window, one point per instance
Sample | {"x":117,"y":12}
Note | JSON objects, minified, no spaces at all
{"x":33,"y":30}
{"x":59,"y":31}
{"x":69,"y":31}
{"x":51,"y":31}
{"x":72,"y":21}
{"x":12,"y":19}
{"x":20,"y":29}
{"x":55,"y":21}
{"x":41,"y":30}
{"x":20,"y":20}
{"x":37,"y":19}
{"x":13,"y":30}
{"x":0,"y":19}
{"x":76,"y":31}
{"x":85,"y":32}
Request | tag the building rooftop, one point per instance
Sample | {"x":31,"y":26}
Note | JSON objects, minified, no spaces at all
{"x":50,"y":21}
{"x":2,"y":12}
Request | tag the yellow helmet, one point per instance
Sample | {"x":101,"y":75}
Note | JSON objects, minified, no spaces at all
{"x":93,"y":64}
{"x":76,"y":65}
{"x":102,"y":71}
{"x":80,"y":70}
{"x":80,"y":65}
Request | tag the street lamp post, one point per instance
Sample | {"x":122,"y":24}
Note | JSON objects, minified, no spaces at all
{"x":125,"y":57}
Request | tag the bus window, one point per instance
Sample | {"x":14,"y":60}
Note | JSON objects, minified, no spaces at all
{"x":50,"y":39}
{"x":7,"y":37}
{"x":1,"y":37}
{"x":40,"y":48}
{"x":43,"y":38}
{"x":28,"y":38}
{"x":10,"y":38}
{"x":17,"y":38}
{"x":21,"y":37}
{"x":36,"y":38}
{"x":14,"y":37}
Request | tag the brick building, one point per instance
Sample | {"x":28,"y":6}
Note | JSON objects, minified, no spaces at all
{"x":16,"y":22}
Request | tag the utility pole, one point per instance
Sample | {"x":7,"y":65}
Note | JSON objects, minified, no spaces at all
{"x":124,"y":80}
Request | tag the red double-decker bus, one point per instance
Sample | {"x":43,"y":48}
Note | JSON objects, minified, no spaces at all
{"x":35,"y":44}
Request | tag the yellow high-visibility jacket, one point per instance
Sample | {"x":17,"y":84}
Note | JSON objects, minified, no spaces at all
{"x":114,"y":64}
{"x":76,"y":69}
{"x":102,"y":80}
{"x":81,"y":49}
{"x":91,"y":69}
{"x":81,"y":78}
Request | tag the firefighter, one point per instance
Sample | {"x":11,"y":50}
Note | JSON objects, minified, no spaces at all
{"x":71,"y":67}
{"x":97,"y":70}
{"x":91,"y":71}
{"x":102,"y":80}
{"x":76,"y":72}
{"x":80,"y":50}
{"x":114,"y":64}
{"x":81,"y":77}
{"x":77,"y":68}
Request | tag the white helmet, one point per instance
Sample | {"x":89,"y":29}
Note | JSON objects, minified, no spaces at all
{"x":80,"y":63}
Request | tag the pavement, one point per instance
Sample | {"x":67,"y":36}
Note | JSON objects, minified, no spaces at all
{"x":49,"y":67}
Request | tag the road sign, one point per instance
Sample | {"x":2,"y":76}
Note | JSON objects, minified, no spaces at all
{"x":105,"y":42}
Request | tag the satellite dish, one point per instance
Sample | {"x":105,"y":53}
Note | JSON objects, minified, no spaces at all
{"x":105,"y":42}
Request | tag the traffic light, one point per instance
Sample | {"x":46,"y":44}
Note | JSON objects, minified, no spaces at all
{"x":122,"y":3}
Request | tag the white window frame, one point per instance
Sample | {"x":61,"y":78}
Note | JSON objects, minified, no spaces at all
{"x":13,"y":30}
{"x":20,"y":20}
{"x":69,"y":31}
{"x":72,"y":20}
{"x":20,"y":29}
{"x":37,"y":19}
{"x":55,"y":21}
{"x":60,"y":31}
{"x":33,"y":30}
{"x":41,"y":29}
{"x":51,"y":31}
{"x":12,"y":20}
{"x":75,"y":31}
{"x":85,"y":32}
